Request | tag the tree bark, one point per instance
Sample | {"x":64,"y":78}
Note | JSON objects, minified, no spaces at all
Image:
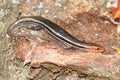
{"x":36,"y":53}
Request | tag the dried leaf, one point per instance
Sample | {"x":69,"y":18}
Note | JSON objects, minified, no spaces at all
{"x":118,"y":50}
{"x":116,"y":10}
{"x":118,"y":28}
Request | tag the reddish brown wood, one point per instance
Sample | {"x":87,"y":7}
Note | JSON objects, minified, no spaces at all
{"x":48,"y":52}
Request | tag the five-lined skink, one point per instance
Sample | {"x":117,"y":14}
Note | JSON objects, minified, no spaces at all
{"x":57,"y":32}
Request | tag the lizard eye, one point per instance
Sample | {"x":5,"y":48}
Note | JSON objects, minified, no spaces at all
{"x":97,"y":48}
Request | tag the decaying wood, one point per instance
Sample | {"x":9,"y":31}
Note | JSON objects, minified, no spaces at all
{"x":36,"y":52}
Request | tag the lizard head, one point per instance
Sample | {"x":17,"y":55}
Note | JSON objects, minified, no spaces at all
{"x":96,"y":48}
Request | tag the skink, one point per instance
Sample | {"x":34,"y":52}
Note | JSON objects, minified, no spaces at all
{"x":57,"y":32}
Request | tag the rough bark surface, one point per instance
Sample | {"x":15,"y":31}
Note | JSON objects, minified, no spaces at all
{"x":48,"y":52}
